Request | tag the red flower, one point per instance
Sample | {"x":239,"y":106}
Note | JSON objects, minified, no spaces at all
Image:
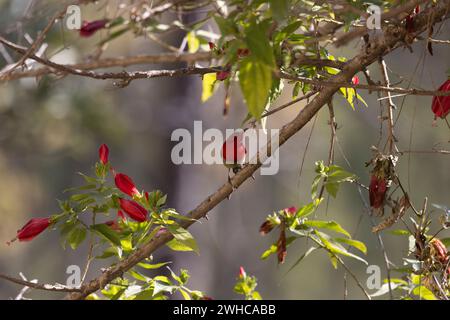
{"x":377,"y":191}
{"x":89,"y":28}
{"x":133,"y":209}
{"x":441,"y":104}
{"x":33,"y":228}
{"x":290,"y":211}
{"x":242,"y":273}
{"x":222,"y":75}
{"x":355,"y":80}
{"x":125,"y":184}
{"x":103,"y":153}
{"x":233,"y":151}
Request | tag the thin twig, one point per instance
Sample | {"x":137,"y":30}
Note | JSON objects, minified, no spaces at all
{"x":47,"y":287}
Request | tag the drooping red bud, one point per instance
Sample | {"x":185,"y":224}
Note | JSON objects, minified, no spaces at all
{"x":281,"y":247}
{"x":33,"y":228}
{"x":233,"y":150}
{"x":211,"y":45}
{"x":355,"y":80}
{"x":377,"y":191}
{"x":125,"y":184}
{"x":266,"y":227}
{"x":441,"y":104}
{"x":103,"y":153}
{"x":133,"y":209}
{"x":89,"y":28}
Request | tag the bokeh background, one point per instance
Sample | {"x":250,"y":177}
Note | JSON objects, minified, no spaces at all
{"x":50,"y":130}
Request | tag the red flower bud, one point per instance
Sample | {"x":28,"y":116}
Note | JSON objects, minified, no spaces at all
{"x":222,"y":75}
{"x":266,"y":227}
{"x":103,"y":153}
{"x":211,"y":45}
{"x":242,"y":273}
{"x":377,"y":191}
{"x":441,"y":104}
{"x":355,"y":80}
{"x":125,"y":184}
{"x":290,"y":211}
{"x":233,"y":151}
{"x":89,"y":28}
{"x":33,"y":228}
{"x":133,"y":209}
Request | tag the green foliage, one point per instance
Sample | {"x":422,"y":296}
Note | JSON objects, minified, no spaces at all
{"x":246,"y":286}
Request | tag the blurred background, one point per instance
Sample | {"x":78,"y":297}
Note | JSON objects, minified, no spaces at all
{"x":50,"y":129}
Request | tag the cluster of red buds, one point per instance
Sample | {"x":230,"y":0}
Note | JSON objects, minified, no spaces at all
{"x":125,"y":184}
{"x":276,"y":220}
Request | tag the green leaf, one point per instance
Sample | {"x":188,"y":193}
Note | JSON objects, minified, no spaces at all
{"x":279,"y":9}
{"x":161,"y":287}
{"x":306,"y":210}
{"x":336,"y":248}
{"x":107,"y":233}
{"x":152,"y":266}
{"x":226,"y":26}
{"x":185,"y":294}
{"x":446,"y":242}
{"x":399,"y":232}
{"x":176,"y":245}
{"x":76,"y":237}
{"x":184,"y":237}
{"x":330,"y":225}
{"x":258,"y":43}
{"x":255,"y":79}
{"x":339,"y":175}
{"x":208,"y":86}
{"x":424,"y":293}
{"x":354,"y":243}
{"x":332,"y":188}
{"x":268,"y":252}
